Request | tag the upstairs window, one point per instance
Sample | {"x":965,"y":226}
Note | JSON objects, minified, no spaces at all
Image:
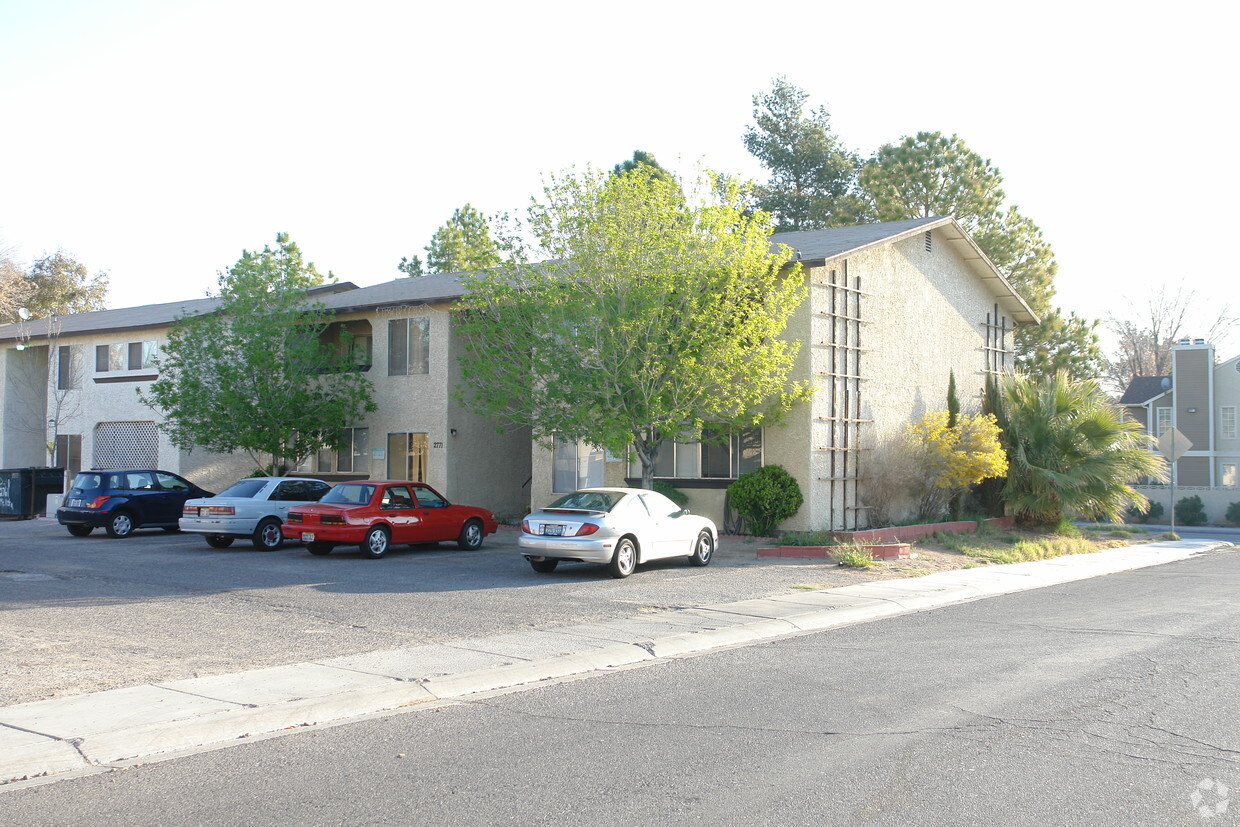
{"x":65,"y":378}
{"x":409,"y":345}
{"x":1162,"y":422}
{"x":133,"y":356}
{"x":1227,"y":422}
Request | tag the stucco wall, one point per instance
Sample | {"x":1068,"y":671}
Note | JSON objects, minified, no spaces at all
{"x":486,"y":468}
{"x":23,"y":414}
{"x":926,"y":314}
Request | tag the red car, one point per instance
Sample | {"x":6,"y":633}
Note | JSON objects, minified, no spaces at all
{"x":374,"y":514}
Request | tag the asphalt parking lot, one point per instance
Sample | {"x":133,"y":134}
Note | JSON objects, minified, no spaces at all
{"x":86,"y":614}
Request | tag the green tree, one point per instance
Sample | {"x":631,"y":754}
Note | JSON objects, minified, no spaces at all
{"x":1071,"y":452}
{"x":930,"y":174}
{"x":649,"y":316}
{"x":14,"y":289}
{"x":258,"y":375}
{"x":462,"y":243}
{"x":55,"y":285}
{"x":813,"y":181}
{"x":643,"y":158}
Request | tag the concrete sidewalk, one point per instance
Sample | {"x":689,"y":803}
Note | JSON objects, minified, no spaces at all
{"x":103,"y":730}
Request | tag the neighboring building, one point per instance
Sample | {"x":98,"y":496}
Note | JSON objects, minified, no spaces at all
{"x":1200,"y":400}
{"x":74,"y":383}
{"x":893,"y":309}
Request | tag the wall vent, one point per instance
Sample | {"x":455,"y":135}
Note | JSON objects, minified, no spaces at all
{"x":929,"y":245}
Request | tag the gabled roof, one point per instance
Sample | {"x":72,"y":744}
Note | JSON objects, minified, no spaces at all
{"x":817,"y":247}
{"x":137,"y":318}
{"x":813,"y":247}
{"x":1144,"y":388}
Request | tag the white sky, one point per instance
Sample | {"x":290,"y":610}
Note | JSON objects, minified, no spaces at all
{"x":158,"y":139}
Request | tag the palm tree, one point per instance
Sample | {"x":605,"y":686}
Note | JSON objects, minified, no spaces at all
{"x":1071,"y":450}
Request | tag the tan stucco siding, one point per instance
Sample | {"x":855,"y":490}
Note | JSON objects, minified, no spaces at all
{"x":485,"y":467}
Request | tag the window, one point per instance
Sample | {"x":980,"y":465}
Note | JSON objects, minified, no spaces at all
{"x":134,"y":356}
{"x":170,"y":483}
{"x":360,"y":348}
{"x":428,"y":498}
{"x":1163,"y":421}
{"x":409,"y":344}
{"x":350,"y":458}
{"x":576,"y":465}
{"x":299,"y":491}
{"x":396,"y":496}
{"x":1227,"y":422}
{"x":1228,"y":477}
{"x":407,"y":457}
{"x":717,"y":456}
{"x":141,"y":355}
{"x":65,"y":380}
{"x":109,"y":357}
{"x":69,"y":453}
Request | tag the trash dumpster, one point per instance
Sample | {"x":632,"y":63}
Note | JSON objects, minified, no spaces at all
{"x":24,"y":491}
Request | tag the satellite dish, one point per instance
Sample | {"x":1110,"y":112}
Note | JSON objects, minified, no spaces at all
{"x":23,"y":313}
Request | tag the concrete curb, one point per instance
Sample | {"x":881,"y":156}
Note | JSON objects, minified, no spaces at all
{"x":99,"y":729}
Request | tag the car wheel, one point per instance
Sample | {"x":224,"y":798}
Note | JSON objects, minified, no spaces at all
{"x":79,"y":530}
{"x":320,"y":548}
{"x":624,"y":560}
{"x":544,"y":566}
{"x":375,"y":544}
{"x":121,"y":525}
{"x":703,"y":548}
{"x":268,"y":537}
{"x":471,"y":536}
{"x":219,"y":541}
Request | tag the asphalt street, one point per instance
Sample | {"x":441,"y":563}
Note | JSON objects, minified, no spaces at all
{"x":90,"y":614}
{"x":1109,"y":701}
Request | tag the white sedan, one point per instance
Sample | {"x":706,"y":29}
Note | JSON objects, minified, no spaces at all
{"x":253,"y":508}
{"x":620,"y":527}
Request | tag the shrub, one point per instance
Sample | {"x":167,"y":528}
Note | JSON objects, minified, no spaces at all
{"x":672,"y":492}
{"x":1233,"y":514}
{"x":1190,"y":511}
{"x":764,"y":498}
{"x":855,"y":557}
{"x":1151,"y":514}
{"x":807,"y":538}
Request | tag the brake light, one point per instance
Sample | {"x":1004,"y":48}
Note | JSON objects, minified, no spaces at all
{"x":526,"y":527}
{"x":586,"y":528}
{"x":331,"y":519}
{"x":295,"y":517}
{"x":98,"y":502}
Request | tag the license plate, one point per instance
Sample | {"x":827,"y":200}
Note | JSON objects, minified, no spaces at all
{"x":204,"y":512}
{"x":76,"y":503}
{"x":553,"y":530}
{"x":307,"y":536}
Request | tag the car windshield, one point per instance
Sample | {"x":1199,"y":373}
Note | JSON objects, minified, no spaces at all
{"x":589,"y":500}
{"x":244,"y":488}
{"x":349,"y":493}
